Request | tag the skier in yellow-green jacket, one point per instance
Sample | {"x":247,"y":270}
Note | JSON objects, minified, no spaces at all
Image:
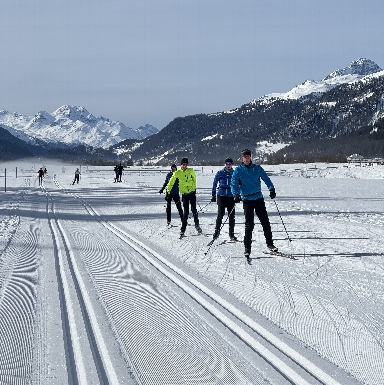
{"x":187,"y":187}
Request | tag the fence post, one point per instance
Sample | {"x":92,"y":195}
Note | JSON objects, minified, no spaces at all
{"x":5,"y":180}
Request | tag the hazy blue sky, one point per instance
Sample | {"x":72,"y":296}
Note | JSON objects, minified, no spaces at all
{"x":149,"y":61}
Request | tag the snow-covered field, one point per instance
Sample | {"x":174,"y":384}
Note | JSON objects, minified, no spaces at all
{"x":94,"y":288}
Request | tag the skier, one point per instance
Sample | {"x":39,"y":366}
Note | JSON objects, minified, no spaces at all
{"x":246,"y":187}
{"x":40,"y":173}
{"x":224,"y":199}
{"x":77,"y":176}
{"x":120,"y":169}
{"x":187,"y":186}
{"x":172,"y":196}
{"x":116,"y":170}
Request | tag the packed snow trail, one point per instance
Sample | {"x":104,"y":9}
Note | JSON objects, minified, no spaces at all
{"x":100,"y":264}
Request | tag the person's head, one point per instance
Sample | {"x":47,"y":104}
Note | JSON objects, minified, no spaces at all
{"x":246,"y":156}
{"x":184,"y":163}
{"x":173,"y":167}
{"x":228,"y":163}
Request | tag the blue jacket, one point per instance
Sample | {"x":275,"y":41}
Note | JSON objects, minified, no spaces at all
{"x":175,"y":187}
{"x":223,"y":177}
{"x":246,"y":181}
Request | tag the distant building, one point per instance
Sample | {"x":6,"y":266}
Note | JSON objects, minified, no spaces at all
{"x":355,"y":158}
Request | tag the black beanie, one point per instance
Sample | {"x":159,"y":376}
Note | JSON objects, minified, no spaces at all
{"x":184,"y":160}
{"x":228,"y":160}
{"x":246,"y":152}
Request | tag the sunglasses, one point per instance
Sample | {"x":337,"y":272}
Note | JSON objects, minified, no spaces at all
{"x":228,"y":163}
{"x":246,"y":156}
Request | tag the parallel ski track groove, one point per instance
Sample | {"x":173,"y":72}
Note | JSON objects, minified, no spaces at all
{"x":18,"y":306}
{"x":75,"y":366}
{"x":159,"y":262}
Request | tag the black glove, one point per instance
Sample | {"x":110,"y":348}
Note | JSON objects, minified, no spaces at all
{"x":272,"y":193}
{"x":213,"y":199}
{"x":161,"y":191}
{"x":237,"y":198}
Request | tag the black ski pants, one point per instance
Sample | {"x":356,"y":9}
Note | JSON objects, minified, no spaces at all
{"x":189,"y":200}
{"x":176,"y":199}
{"x":250,"y":208}
{"x":225,"y":202}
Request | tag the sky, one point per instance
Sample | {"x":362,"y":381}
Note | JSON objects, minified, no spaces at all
{"x":150,"y":61}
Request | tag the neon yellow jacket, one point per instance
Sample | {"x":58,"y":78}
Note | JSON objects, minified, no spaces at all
{"x":187,"y":181}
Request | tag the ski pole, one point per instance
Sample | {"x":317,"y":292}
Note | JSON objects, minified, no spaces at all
{"x":214,"y":239}
{"x":290,"y":240}
{"x":201,"y":209}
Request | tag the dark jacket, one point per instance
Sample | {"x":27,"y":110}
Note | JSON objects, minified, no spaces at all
{"x":175,"y":188}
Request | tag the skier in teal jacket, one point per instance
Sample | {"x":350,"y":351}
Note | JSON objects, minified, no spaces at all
{"x":246,"y":187}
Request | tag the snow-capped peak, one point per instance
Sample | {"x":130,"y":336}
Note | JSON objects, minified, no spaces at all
{"x":354,"y":72}
{"x":360,"y":67}
{"x":73,"y":125}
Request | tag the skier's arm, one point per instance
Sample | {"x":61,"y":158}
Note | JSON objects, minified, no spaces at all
{"x":215,"y":181}
{"x":166,"y":181}
{"x":171,"y":182}
{"x":235,"y":183}
{"x":193,"y":176}
{"x":266,"y":179}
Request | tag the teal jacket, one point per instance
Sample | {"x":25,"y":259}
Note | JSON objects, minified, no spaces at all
{"x":247,"y":181}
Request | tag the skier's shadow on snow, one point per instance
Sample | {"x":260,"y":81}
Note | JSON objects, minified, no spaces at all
{"x":341,"y":255}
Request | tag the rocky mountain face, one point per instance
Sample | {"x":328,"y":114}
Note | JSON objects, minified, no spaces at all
{"x":344,"y":102}
{"x":70,"y":126}
{"x":12,"y":147}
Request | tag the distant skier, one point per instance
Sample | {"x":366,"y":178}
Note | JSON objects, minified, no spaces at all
{"x":116,"y":170}
{"x":77,"y":176}
{"x":187,"y":187}
{"x":45,"y":170}
{"x":172,"y":196}
{"x":224,"y":198}
{"x":246,"y":187}
{"x":40,"y":173}
{"x":120,"y":169}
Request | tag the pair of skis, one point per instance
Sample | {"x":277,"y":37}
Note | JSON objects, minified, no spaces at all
{"x":274,"y":253}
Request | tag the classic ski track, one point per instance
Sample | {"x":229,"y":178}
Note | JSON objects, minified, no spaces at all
{"x":18,"y":305}
{"x":159,"y":262}
{"x":76,"y":367}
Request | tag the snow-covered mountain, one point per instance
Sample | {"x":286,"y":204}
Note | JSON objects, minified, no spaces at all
{"x":71,"y":125}
{"x":340,"y":104}
{"x":350,"y":74}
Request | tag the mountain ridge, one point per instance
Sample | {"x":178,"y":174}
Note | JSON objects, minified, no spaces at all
{"x":70,"y":126}
{"x":330,"y":108}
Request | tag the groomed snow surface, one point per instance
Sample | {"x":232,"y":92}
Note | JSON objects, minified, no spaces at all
{"x":96,"y":289}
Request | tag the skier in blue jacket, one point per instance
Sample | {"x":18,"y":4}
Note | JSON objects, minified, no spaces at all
{"x":174,"y":195}
{"x":246,"y":187}
{"x":224,"y":198}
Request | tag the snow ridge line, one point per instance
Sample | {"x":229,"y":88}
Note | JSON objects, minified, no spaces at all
{"x":105,"y":366}
{"x":268,"y":356}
